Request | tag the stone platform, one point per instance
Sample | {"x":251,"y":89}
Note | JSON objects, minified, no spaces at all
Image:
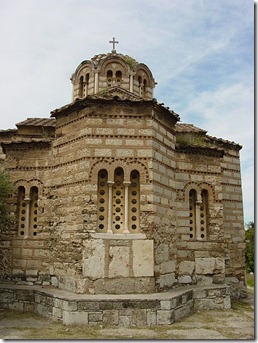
{"x":110,"y":309}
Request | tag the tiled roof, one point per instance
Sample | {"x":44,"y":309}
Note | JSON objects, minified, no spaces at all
{"x":182,"y":127}
{"x":37,"y":122}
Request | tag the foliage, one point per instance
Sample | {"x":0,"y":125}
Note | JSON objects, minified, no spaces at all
{"x":130,"y":61}
{"x":249,"y":255}
{"x":6,"y":188}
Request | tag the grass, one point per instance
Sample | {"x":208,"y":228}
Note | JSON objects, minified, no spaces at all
{"x":250,"y":280}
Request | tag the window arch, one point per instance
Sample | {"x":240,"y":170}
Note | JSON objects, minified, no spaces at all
{"x":118,"y":77}
{"x":102,"y":211}
{"x":192,"y":213}
{"x":144,"y":87}
{"x":81,"y":87}
{"x":204,"y":214}
{"x":33,"y":215}
{"x":140,"y":85}
{"x":21,"y":205}
{"x":134,"y":202}
{"x":87,"y":78}
{"x":118,"y":204}
{"x":27,"y":212}
{"x":109,"y":77}
{"x":198,"y":214}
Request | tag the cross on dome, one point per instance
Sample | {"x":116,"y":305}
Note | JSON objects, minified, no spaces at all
{"x":113,"y":42}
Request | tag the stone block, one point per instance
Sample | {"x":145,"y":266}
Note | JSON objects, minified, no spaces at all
{"x":119,"y":261}
{"x":186,"y":267}
{"x":57,"y":312}
{"x":94,"y":259}
{"x":204,"y":265}
{"x":95,"y":317}
{"x":31,"y":272}
{"x":110,"y":317}
{"x":88,"y":305}
{"x":16,"y":306}
{"x":164,"y":317}
{"x":70,"y":305}
{"x":165,"y":304}
{"x":184,"y":279}
{"x":183,"y":311}
{"x":143,"y":260}
{"x":75,"y":318}
{"x":124,"y":321}
{"x":167,"y":280}
{"x":167,"y":267}
{"x":139,"y":317}
{"x":151,"y":318}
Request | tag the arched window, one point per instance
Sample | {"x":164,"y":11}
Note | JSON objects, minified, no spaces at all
{"x":21,"y":206}
{"x":192,"y":213}
{"x":81,"y":87}
{"x":140,"y":85}
{"x":102,"y":211}
{"x":204,"y":214}
{"x":33,"y":215}
{"x":144,"y":87}
{"x":118,"y":77}
{"x":118,"y":205}
{"x":87,"y":78}
{"x":109,"y":77}
{"x":198,"y":214}
{"x":134,"y":203}
{"x":118,"y":208}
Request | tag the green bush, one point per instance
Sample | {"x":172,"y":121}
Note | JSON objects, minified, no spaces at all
{"x":249,"y":255}
{"x":6,"y":189}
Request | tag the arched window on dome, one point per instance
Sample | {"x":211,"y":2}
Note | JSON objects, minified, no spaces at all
{"x":140,"y":85}
{"x":109,"y":78}
{"x":144,"y":90}
{"x":81,"y":87}
{"x":118,"y":77}
{"x":87,"y":78}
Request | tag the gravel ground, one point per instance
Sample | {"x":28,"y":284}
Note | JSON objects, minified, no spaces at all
{"x":236,"y":323}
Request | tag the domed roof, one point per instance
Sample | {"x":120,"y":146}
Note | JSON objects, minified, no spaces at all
{"x":106,"y":71}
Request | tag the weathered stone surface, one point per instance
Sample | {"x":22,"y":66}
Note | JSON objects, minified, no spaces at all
{"x":119,"y":261}
{"x":209,"y":265}
{"x":94,"y":259}
{"x":75,"y":318}
{"x":186,"y":267}
{"x":143,"y":260}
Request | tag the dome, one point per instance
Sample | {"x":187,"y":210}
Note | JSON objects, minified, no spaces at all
{"x":113,"y":70}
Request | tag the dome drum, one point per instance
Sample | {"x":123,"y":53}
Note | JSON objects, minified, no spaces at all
{"x":112,"y":70}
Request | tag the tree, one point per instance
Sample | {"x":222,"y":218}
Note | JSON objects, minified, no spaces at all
{"x":6,"y":188}
{"x":249,"y":255}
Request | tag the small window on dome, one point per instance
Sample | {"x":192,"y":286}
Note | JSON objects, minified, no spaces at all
{"x":81,"y":87}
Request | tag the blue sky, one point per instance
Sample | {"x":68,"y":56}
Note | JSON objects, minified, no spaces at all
{"x":199,"y":51}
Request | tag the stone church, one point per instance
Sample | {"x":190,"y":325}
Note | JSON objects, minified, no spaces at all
{"x":114,"y":195}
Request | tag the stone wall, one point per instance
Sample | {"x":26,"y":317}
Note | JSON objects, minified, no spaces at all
{"x":116,"y":310}
{"x":233,"y":223}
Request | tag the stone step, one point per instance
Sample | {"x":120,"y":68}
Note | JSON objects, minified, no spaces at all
{"x":110,"y":309}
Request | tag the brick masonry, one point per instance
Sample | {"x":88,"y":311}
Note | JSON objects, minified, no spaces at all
{"x":116,"y":310}
{"x":120,"y":127}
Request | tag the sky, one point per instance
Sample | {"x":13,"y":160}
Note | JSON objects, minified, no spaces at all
{"x":200,"y":52}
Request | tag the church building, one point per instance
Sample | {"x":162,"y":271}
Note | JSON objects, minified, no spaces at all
{"x":115,"y":195}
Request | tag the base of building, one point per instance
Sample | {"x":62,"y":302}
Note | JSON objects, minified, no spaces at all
{"x":114,"y":309}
